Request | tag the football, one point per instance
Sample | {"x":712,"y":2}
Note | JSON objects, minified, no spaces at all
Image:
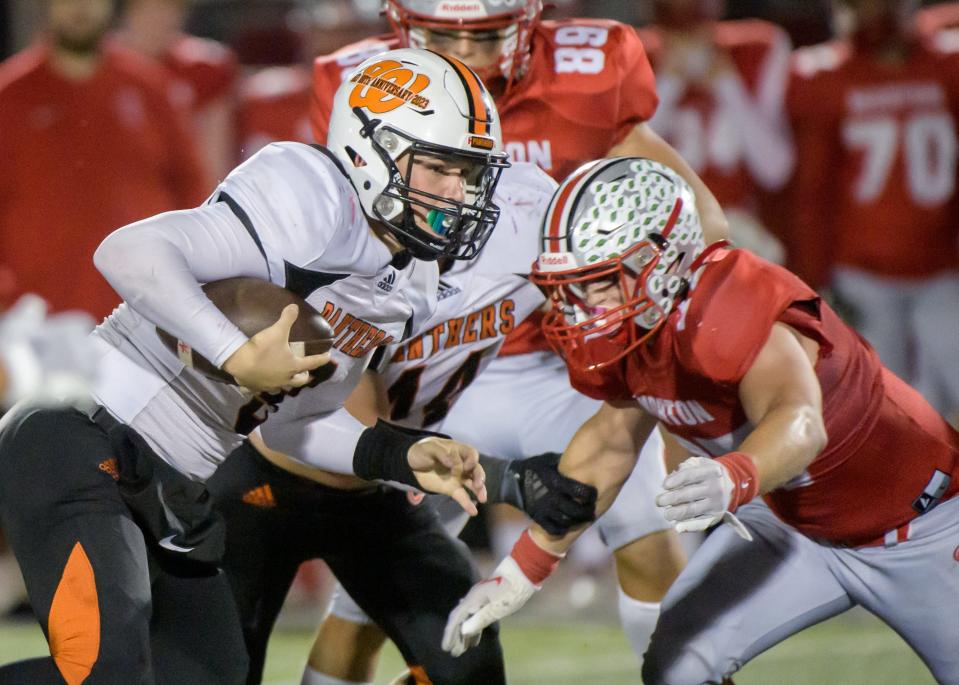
{"x":252,"y":305}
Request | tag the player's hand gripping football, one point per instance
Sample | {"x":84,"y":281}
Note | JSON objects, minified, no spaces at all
{"x":505,"y":592}
{"x":449,"y":468}
{"x":697,"y":496}
{"x":266,"y":363}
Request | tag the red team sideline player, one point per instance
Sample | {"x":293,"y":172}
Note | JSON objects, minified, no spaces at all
{"x":90,"y":142}
{"x":778,"y":397}
{"x":879,"y":110}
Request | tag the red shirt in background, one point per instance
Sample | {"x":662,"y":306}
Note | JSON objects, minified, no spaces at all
{"x":932,"y":20}
{"x":875,"y":182}
{"x":207,"y":70}
{"x":731,"y":130}
{"x":81,"y":159}
{"x":274,"y":105}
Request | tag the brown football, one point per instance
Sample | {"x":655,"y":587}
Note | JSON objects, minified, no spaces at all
{"x":252,"y":305}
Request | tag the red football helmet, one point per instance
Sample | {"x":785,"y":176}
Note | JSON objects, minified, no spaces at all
{"x":513,"y":20}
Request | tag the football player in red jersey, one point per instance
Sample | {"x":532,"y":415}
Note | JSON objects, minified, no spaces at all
{"x":722,"y":87}
{"x":879,"y":109}
{"x":776,"y":397}
{"x":568,"y":91}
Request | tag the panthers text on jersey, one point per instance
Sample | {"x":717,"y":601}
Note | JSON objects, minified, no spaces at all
{"x":877,"y":161}
{"x":890,"y":456}
{"x":730,"y":127}
{"x":479,"y":303}
{"x":288,"y":215}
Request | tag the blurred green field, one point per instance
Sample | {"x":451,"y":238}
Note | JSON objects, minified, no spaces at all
{"x":846,"y":651}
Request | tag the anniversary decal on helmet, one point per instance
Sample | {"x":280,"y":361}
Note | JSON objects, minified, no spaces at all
{"x":385,"y":85}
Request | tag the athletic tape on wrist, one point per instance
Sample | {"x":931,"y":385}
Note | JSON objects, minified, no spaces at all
{"x":382,"y":452}
{"x":535,"y":562}
{"x":744,"y":475}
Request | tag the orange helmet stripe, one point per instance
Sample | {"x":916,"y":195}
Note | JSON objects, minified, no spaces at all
{"x":481,"y":119}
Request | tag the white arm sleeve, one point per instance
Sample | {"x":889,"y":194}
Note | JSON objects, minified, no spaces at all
{"x":325,"y":441}
{"x":157,"y":265}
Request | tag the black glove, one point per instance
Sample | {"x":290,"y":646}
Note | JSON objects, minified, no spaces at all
{"x":552,"y":500}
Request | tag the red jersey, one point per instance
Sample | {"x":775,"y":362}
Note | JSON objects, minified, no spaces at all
{"x":205,"y":69}
{"x":81,"y":159}
{"x":274,"y":105}
{"x":875,"y":183}
{"x":886,"y":444}
{"x":731,"y":130}
{"x":932,"y":20}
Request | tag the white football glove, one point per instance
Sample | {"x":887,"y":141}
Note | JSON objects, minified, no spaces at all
{"x":697,"y":497}
{"x":503,"y":593}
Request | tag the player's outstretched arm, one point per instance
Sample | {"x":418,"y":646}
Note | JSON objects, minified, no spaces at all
{"x":601,"y":454}
{"x":642,"y":141}
{"x":783,"y":400}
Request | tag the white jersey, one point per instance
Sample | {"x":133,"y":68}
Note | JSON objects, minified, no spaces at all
{"x":478,"y":304}
{"x":288,"y":215}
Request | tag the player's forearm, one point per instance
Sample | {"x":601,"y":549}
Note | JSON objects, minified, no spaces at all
{"x":607,"y":471}
{"x":784,"y":443}
{"x":326,"y":442}
{"x":157,"y":265}
{"x":642,"y":141}
{"x":603,"y":454}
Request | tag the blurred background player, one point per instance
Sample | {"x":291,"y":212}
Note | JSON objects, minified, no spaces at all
{"x":567,"y":91}
{"x":722,"y":88}
{"x":878,"y":109}
{"x":204,"y":71}
{"x":90,"y":141}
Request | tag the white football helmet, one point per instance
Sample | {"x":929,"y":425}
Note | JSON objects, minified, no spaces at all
{"x":629,"y":222}
{"x":422,"y":105}
{"x":513,"y":19}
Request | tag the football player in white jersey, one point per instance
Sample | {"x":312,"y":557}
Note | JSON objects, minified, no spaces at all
{"x":105,"y":507}
{"x":394,"y":558}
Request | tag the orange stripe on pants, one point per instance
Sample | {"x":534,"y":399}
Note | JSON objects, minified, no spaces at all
{"x":74,"y":622}
{"x":419,"y":676}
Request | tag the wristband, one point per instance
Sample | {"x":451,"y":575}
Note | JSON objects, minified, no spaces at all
{"x":535,"y":562}
{"x":382,"y":452}
{"x":744,"y":475}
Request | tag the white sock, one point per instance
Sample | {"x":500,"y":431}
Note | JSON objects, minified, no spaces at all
{"x":311,"y":677}
{"x":638,"y":620}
